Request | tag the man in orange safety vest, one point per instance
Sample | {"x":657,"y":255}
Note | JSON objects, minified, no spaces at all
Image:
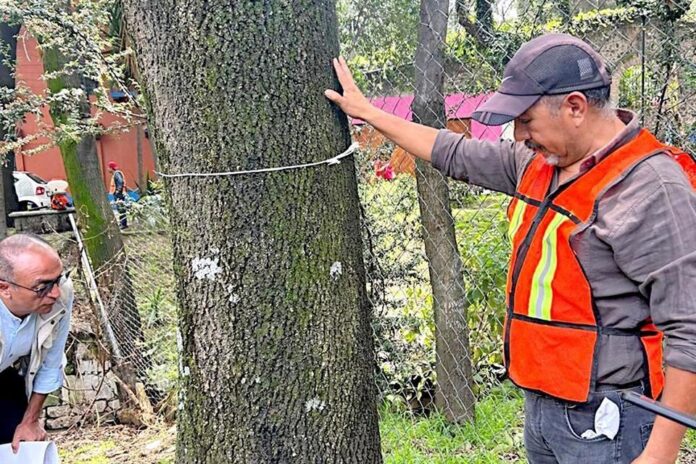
{"x":602,"y":222}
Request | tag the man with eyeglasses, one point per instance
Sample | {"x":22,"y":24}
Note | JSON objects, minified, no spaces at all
{"x":36,"y":299}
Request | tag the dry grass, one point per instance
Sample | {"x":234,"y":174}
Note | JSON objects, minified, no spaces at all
{"x":117,"y":444}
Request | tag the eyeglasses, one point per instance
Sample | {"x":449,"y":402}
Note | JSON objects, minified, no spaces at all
{"x":45,"y":288}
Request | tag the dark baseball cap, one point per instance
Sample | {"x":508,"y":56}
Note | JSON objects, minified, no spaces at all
{"x":551,"y":64}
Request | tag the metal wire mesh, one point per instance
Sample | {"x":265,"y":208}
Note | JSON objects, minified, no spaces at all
{"x":122,"y":351}
{"x":144,"y":314}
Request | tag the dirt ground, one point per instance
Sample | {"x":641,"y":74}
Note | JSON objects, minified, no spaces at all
{"x":119,"y":444}
{"x":116,"y":444}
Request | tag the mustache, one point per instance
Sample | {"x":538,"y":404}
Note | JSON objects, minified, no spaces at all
{"x":533,"y":145}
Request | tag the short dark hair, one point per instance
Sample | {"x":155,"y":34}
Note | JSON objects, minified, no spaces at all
{"x":598,"y":98}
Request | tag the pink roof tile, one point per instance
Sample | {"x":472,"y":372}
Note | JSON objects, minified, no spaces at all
{"x":457,"y":106}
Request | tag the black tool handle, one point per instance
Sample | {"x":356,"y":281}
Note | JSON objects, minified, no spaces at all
{"x":659,"y":408}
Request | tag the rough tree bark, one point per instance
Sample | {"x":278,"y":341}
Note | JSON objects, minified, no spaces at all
{"x":481,"y":29}
{"x":142,"y":180}
{"x":8,"y":197}
{"x":565,"y":10}
{"x":454,"y":396}
{"x":484,"y":18}
{"x":276,"y":352}
{"x":101,"y":237}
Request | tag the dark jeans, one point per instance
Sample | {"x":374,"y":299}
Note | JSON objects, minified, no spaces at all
{"x":121,"y":208}
{"x":553,"y":429}
{"x":13,"y":403}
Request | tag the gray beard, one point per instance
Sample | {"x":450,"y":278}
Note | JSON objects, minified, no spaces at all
{"x":550,"y":158}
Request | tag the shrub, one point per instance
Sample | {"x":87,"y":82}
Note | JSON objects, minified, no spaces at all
{"x":400,"y":292}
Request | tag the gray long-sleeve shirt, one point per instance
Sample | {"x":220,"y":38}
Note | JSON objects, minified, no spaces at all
{"x":639,"y":255}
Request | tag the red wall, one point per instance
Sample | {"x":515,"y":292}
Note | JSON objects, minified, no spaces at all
{"x":48,"y":164}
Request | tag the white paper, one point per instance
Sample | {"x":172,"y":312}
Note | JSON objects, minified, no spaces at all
{"x":606,"y":421}
{"x":30,"y":452}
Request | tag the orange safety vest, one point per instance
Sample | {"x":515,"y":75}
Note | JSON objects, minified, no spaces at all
{"x":552,"y":326}
{"x":113,"y":182}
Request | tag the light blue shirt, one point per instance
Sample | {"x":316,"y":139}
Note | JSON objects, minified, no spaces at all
{"x":18,"y":335}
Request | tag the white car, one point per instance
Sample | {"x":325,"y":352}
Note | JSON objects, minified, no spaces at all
{"x":31,"y":191}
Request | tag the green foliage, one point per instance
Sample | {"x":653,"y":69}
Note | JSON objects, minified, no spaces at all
{"x":153,"y":310}
{"x":690,"y":441}
{"x":406,"y":351}
{"x":592,"y":20}
{"x":630,"y":88}
{"x":397,"y":274}
{"x":495,"y":436}
{"x":400,"y":290}
{"x":478,"y":69}
{"x":154,"y":186}
{"x":154,"y":287}
{"x":149,"y":212}
{"x":79,"y":33}
{"x":95,"y":453}
{"x":379,"y":38}
{"x":485,"y":250}
{"x":666,"y":10}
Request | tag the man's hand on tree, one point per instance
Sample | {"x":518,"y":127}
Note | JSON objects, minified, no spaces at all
{"x":414,"y":138}
{"x":28,"y":431}
{"x":352,"y":102}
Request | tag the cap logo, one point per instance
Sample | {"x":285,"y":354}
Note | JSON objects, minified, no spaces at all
{"x":585,"y":68}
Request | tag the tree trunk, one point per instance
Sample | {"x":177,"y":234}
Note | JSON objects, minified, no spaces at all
{"x":277,"y":357}
{"x":153,"y":149}
{"x":8,"y":197}
{"x":565,"y":11}
{"x":3,"y":210}
{"x":484,"y":18}
{"x":454,"y":396}
{"x":142,"y":181}
{"x":481,"y":29}
{"x":101,"y":235}
{"x":9,"y":200}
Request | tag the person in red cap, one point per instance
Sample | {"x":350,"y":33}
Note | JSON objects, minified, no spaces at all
{"x":603,"y":251}
{"x":118,"y":190}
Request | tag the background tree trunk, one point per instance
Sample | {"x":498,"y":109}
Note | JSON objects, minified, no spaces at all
{"x":101,"y":235}
{"x":8,"y":196}
{"x":454,"y":396}
{"x":153,"y":149}
{"x":481,"y":29}
{"x":565,"y":10}
{"x":9,"y":200}
{"x":277,"y":358}
{"x":142,"y":181}
{"x":484,"y":18}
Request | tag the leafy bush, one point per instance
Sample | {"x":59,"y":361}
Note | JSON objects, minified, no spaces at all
{"x":485,"y":251}
{"x":400,"y":291}
{"x":149,"y":213}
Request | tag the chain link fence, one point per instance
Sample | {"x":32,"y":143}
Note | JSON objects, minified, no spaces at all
{"x":122,"y":351}
{"x":141,"y":324}
{"x":436,"y":251}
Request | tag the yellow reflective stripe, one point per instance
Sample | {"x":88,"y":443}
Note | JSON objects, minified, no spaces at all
{"x":516,"y":219}
{"x":541,"y":295}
